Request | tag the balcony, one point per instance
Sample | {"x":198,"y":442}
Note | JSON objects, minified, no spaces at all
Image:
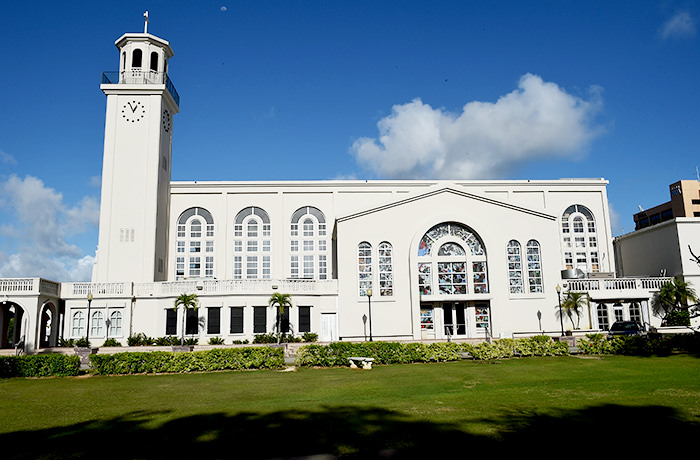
{"x":29,"y":286}
{"x":141,"y":77}
{"x":614,"y":288}
{"x":203,"y":287}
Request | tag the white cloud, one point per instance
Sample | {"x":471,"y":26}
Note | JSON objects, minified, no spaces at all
{"x":486,"y":140}
{"x":680,"y":25}
{"x":36,"y":230}
{"x":7,"y":158}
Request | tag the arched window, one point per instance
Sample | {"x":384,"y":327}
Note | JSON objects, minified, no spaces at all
{"x":154,"y":61}
{"x":78,"y":326}
{"x":115,"y":324}
{"x":580,"y":239}
{"x":386,"y":270}
{"x":515,"y":268}
{"x":308,"y":244}
{"x":96,"y":323}
{"x":451,"y":261}
{"x":252,"y":244}
{"x":195,"y":244}
{"x":534,"y":267}
{"x":364,"y":267}
{"x":136,"y":58}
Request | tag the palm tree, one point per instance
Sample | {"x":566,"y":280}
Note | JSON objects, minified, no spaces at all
{"x":574,"y":304}
{"x":187,"y":301}
{"x":674,"y":296}
{"x":280,"y":301}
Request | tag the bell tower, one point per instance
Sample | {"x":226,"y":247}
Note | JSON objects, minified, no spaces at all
{"x":135,"y":202}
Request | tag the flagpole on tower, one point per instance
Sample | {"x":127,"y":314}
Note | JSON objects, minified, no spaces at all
{"x":146,"y":21}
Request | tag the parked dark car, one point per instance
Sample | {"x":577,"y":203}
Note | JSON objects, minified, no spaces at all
{"x":625,"y":328}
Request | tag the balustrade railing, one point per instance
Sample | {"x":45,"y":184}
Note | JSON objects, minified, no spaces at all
{"x":288,"y":286}
{"x":615,"y":284}
{"x":29,"y":286}
{"x":141,"y":77}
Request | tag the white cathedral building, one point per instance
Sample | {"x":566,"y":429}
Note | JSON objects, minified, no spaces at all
{"x":400,"y":260}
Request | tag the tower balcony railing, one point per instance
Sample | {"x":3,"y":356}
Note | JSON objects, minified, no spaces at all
{"x":141,"y":77}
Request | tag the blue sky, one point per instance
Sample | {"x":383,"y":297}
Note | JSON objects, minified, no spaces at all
{"x":277,"y":90}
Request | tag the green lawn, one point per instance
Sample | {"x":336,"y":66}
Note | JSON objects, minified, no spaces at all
{"x":569,"y":406}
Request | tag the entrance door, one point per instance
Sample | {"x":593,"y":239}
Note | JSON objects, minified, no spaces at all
{"x":329,"y":330}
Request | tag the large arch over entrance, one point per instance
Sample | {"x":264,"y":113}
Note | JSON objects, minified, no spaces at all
{"x":12,"y":324}
{"x":452,"y":282}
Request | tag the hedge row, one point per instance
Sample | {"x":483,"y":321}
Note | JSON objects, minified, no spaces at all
{"x":647,"y":345}
{"x":39,"y":365}
{"x":337,"y":354}
{"x":203,"y":361}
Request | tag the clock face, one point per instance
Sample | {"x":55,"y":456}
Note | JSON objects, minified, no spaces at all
{"x":166,"y":120}
{"x":133,"y":111}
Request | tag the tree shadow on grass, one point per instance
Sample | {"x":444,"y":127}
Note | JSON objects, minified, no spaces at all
{"x":350,"y":432}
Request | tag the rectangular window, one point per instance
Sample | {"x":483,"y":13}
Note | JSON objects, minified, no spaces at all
{"x":195,"y":266}
{"x":294,"y":267}
{"x":308,"y":266}
{"x":322,"y":268}
{"x":259,"y":320}
{"x":294,"y":246}
{"x":238,"y":246}
{"x":252,"y":246}
{"x":180,"y":231}
{"x":210,"y":246}
{"x":238,"y":230}
{"x":251,"y":267}
{"x":195,"y":246}
{"x":192,"y":323}
{"x":180,"y":246}
{"x":170,"y":322}
{"x":180,"y":267}
{"x":424,"y":279}
{"x":237,"y":267}
{"x":322,"y":245}
{"x":480,"y":284}
{"x":214,"y":320}
{"x":308,"y":245}
{"x":304,"y":319}
{"x":209,"y":266}
{"x":236,"y":320}
{"x":210,"y":230}
{"x":267,"y":267}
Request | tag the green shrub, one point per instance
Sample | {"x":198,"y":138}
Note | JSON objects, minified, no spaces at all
{"x":309,"y":337}
{"x":337,"y":353}
{"x":140,"y":340}
{"x":82,"y":342}
{"x":66,"y":342}
{"x":265,"y":338}
{"x":39,"y":365}
{"x":111,"y":343}
{"x":678,"y":318}
{"x":239,"y":342}
{"x":203,"y":361}
{"x":192,"y":341}
{"x":167,"y":340}
{"x":216,"y":341}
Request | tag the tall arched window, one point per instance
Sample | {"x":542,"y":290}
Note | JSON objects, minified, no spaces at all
{"x":515,"y":268}
{"x":252,"y":244}
{"x":194,"y":256}
{"x":96,"y":323}
{"x":451,"y":261}
{"x":154,"y":61}
{"x":364,"y":267}
{"x":115,"y":324}
{"x":580,"y":239}
{"x":386,"y":270}
{"x":78,"y":326}
{"x":534,"y":267}
{"x":308,"y":244}
{"x":136,"y":58}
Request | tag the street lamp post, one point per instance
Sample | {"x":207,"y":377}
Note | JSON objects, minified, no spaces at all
{"x":87,"y":323}
{"x":369,"y":305}
{"x":561,"y":316}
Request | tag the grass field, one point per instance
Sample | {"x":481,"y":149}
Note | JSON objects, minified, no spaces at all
{"x":569,"y":406}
